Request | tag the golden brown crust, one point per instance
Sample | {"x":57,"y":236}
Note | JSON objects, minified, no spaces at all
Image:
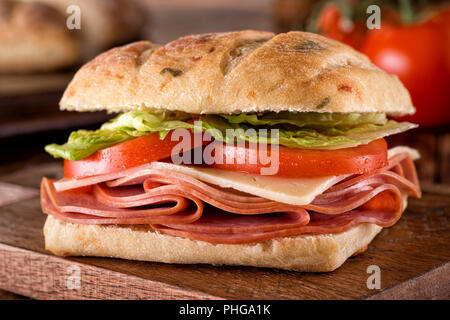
{"x":34,"y":37}
{"x":311,"y":253}
{"x":245,"y":71}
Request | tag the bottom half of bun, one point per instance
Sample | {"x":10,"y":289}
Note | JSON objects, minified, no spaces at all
{"x":310,"y":253}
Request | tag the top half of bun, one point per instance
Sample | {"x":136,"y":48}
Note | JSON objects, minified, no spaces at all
{"x":245,"y":71}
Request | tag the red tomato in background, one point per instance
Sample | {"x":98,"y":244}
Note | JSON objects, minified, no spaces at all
{"x":418,"y":54}
{"x":331,"y":24}
{"x":442,"y":20}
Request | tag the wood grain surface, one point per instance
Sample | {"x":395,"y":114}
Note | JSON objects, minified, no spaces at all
{"x":413,"y":257}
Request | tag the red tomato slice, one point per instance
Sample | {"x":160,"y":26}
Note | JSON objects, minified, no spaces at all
{"x":128,"y":154}
{"x":293,"y":162}
{"x":296,"y":163}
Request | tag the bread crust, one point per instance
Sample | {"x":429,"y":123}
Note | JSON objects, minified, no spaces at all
{"x":309,"y":253}
{"x":34,"y":38}
{"x":244,"y":71}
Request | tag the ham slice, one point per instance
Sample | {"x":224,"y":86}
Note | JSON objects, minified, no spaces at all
{"x":177,"y":204}
{"x":75,"y":207}
{"x":319,"y":224}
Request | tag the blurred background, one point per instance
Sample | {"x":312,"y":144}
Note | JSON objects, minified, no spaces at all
{"x":39,"y":55}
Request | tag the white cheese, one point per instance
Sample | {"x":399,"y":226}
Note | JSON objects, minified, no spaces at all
{"x":286,"y":190}
{"x":298,"y":191}
{"x":413,"y":153}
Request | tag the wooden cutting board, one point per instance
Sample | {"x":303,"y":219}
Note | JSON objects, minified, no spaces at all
{"x":413,"y":257}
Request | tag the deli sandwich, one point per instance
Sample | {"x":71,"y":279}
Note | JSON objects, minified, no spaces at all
{"x":310,"y":111}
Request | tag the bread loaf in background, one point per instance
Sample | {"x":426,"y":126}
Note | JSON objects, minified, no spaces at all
{"x":34,"y":38}
{"x":104,"y":23}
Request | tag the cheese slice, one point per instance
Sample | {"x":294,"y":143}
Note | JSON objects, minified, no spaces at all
{"x":285,"y":190}
{"x":413,"y":153}
{"x":298,"y":191}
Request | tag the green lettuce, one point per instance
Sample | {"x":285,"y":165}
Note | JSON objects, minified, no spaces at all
{"x":296,"y":130}
{"x":307,"y":119}
{"x":336,"y":131}
{"x":127,"y":126}
{"x":83,"y":143}
{"x":137,"y":123}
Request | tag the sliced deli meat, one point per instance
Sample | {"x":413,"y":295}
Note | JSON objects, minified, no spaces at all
{"x":83,"y":207}
{"x":180,"y":204}
{"x":286,"y":190}
{"x":378,"y":200}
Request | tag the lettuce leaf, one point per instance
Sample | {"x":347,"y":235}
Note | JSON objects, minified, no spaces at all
{"x":137,"y":123}
{"x":83,"y":143}
{"x":296,"y":130}
{"x":323,"y":136}
{"x":307,"y":119}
